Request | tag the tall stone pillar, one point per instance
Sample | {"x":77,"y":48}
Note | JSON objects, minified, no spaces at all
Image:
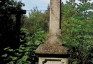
{"x":52,"y":52}
{"x":54,"y":25}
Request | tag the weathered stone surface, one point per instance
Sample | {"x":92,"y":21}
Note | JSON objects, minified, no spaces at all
{"x":51,"y":49}
{"x":54,"y":24}
{"x":53,"y":39}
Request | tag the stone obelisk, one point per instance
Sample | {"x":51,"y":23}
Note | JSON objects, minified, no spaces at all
{"x":52,"y":52}
{"x":55,"y":22}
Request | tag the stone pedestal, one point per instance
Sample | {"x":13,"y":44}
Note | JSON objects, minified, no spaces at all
{"x":52,"y":54}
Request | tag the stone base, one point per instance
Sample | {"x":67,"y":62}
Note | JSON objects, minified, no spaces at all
{"x":47,"y":60}
{"x":51,"y":49}
{"x":52,"y":54}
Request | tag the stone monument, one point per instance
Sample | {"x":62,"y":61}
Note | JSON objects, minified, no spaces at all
{"x":52,"y":52}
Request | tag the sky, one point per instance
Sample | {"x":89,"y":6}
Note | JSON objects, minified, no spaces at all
{"x":40,"y":4}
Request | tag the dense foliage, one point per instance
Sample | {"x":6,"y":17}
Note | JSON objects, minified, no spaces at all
{"x":25,"y":54}
{"x":77,"y":33}
{"x":36,"y":20}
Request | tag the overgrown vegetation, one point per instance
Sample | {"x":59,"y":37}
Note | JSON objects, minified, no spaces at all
{"x":25,"y":54}
{"x":77,"y":33}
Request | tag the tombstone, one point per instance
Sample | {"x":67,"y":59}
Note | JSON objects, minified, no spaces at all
{"x":52,"y":52}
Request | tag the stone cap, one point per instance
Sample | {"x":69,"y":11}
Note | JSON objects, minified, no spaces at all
{"x":51,"y":49}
